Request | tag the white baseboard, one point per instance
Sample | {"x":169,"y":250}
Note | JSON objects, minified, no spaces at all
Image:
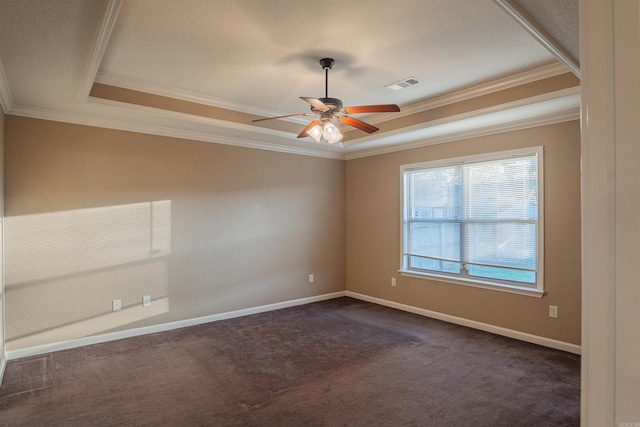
{"x":96,"y":339}
{"x":522,"y":336}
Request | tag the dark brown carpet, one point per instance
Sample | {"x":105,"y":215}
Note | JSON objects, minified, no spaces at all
{"x":341,"y":362}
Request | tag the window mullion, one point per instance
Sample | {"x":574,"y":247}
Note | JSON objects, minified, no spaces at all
{"x":464,"y":226}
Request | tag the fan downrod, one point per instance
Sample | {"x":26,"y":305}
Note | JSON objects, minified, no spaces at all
{"x":326,"y":64}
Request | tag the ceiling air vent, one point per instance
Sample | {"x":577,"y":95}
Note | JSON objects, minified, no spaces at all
{"x":409,"y":81}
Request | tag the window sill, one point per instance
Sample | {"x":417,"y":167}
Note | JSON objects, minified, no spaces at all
{"x":475,"y":283}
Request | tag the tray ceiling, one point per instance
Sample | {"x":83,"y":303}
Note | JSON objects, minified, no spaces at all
{"x":203,"y":69}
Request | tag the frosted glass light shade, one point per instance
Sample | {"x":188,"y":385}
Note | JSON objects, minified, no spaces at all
{"x":315,"y":132}
{"x":331,"y":133}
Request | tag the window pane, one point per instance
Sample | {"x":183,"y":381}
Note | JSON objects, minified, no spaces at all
{"x":435,"y":239}
{"x":505,"y":189}
{"x":436,"y":193}
{"x":502,"y":244}
{"x":502,"y":274}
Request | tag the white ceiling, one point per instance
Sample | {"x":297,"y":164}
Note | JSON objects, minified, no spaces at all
{"x":258,"y":57}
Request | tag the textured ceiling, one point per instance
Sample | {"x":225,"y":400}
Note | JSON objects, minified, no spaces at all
{"x":559,"y":19}
{"x":260,"y":58}
{"x":255,"y":58}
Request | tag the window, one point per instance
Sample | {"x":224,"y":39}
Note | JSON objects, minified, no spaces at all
{"x":476,"y":220}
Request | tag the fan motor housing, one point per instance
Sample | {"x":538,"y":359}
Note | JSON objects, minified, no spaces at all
{"x":332,"y":103}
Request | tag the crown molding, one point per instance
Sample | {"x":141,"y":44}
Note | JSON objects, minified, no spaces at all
{"x":509,"y":82}
{"x":133,"y":118}
{"x":181,"y":94}
{"x":492,"y":130}
{"x":108,"y":21}
{"x":519,"y":104}
{"x":540,"y":73}
{"x":130,"y":122}
{"x":572,"y":96}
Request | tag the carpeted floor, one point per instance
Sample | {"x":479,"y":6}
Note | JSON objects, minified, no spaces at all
{"x":341,"y":362}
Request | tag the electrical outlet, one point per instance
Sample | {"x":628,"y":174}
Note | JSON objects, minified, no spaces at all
{"x":117,"y":305}
{"x":553,"y":311}
{"x":146,"y":301}
{"x":311,"y":278}
{"x":393,"y":281}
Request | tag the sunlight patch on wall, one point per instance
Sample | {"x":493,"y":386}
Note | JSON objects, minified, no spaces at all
{"x":43,"y":246}
{"x":63,"y":269}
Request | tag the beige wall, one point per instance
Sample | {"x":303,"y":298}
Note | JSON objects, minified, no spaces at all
{"x":373,"y":236}
{"x":95,"y":214}
{"x":207,"y":228}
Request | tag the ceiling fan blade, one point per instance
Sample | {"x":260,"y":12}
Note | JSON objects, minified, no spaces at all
{"x":315,"y":103}
{"x":359,"y":124}
{"x":384,"y":108}
{"x":282,"y":117}
{"x":309,"y":126}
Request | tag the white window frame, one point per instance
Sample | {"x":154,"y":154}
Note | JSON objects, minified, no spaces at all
{"x":513,"y":287}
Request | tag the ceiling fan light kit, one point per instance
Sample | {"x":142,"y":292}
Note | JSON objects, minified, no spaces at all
{"x":330,"y":132}
{"x":330,"y":108}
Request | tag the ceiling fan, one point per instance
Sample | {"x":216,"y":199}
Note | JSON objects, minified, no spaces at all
{"x":329,"y":108}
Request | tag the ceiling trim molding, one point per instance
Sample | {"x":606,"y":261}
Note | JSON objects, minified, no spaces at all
{"x":180,"y":94}
{"x":498,"y":108}
{"x":134,"y":118}
{"x":564,"y":116}
{"x":131,"y":125}
{"x":6,"y":101}
{"x":540,"y":35}
{"x":540,"y":73}
{"x":116,"y":108}
{"x":108,"y":21}
{"x":509,"y":82}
